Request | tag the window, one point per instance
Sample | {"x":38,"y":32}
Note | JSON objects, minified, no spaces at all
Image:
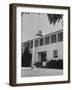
{"x":31,"y":44}
{"x":55,"y":53}
{"x":60,"y":36}
{"x":41,"y":41}
{"x":53,"y":38}
{"x":36,"y":43}
{"x":47,"y":40}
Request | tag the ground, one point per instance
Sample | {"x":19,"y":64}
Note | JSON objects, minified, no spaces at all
{"x":29,"y":72}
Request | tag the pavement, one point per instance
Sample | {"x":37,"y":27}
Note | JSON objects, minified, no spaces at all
{"x":30,"y":72}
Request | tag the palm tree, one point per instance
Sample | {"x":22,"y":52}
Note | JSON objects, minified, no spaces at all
{"x":53,"y":18}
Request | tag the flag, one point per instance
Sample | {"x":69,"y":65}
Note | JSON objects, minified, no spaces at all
{"x":39,"y":33}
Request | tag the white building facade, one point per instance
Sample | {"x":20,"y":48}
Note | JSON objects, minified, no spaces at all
{"x":47,"y":47}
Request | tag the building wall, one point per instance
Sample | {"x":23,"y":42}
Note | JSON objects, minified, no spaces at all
{"x":49,"y":49}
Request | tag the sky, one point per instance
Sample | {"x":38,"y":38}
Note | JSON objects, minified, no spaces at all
{"x":31,"y":23}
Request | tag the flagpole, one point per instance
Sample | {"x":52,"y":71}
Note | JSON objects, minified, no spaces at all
{"x":33,"y":46}
{"x":33,"y":52}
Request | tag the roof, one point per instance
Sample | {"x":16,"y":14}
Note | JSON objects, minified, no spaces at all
{"x":45,"y":35}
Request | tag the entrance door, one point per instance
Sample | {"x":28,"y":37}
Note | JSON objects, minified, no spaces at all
{"x":42,"y":56}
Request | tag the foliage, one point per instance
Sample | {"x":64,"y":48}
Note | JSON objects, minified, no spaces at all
{"x":54,"y":64}
{"x":26,"y":58}
{"x":57,"y":64}
{"x":38,"y":64}
{"x":53,"y":18}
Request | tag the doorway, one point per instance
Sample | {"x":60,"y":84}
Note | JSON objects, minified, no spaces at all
{"x":42,"y":56}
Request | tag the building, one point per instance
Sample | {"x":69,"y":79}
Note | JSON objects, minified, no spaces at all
{"x":47,"y":47}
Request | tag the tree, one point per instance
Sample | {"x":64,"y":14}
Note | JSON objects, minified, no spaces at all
{"x":26,"y":58}
{"x":53,"y":18}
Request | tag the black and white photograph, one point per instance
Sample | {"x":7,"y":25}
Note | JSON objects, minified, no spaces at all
{"x":42,"y":44}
